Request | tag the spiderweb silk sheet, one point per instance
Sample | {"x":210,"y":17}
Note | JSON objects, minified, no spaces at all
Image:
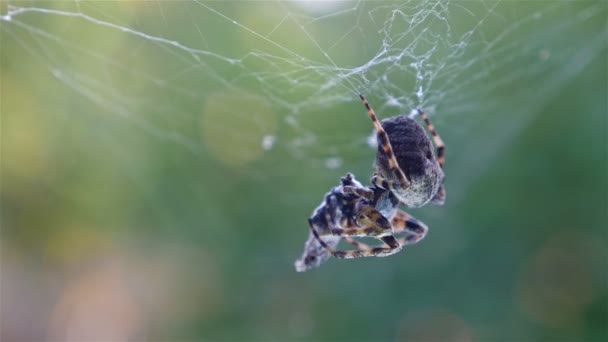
{"x":268,"y":76}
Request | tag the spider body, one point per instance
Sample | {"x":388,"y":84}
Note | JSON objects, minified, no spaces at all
{"x":414,"y":153}
{"x":407,"y":173}
{"x":356,"y":210}
{"x":337,"y":209}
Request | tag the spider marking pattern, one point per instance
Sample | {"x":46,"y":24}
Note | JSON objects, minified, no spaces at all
{"x":407,"y":173}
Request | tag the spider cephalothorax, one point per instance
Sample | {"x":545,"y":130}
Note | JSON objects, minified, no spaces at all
{"x":407,"y":173}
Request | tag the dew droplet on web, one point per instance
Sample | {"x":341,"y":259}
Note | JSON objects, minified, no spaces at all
{"x":393,"y":102}
{"x":419,"y":93}
{"x":372,"y":140}
{"x":268,"y":142}
{"x":333,"y":163}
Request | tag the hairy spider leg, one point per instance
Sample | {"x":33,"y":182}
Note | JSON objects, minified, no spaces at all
{"x":355,"y":190}
{"x":439,"y":198}
{"x":393,"y":247}
{"x":383,"y":183}
{"x":388,"y":149}
{"x":379,"y":227}
{"x":403,"y":222}
{"x":436,"y":138}
{"x":392,"y":244}
{"x":357,"y":244}
{"x":373,"y":222}
{"x":367,"y":216}
{"x":415,"y":230}
{"x":347,"y":179}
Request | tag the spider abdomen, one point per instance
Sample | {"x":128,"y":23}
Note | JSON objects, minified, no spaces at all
{"x":414,"y":153}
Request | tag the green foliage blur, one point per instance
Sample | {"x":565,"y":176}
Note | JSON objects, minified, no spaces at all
{"x":138,"y":202}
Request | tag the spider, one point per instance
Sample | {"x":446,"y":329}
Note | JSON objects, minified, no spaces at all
{"x":345,"y":206}
{"x":406,"y":173}
{"x":337,"y":209}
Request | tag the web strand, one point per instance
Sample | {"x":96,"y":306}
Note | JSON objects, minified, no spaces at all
{"x":446,"y":57}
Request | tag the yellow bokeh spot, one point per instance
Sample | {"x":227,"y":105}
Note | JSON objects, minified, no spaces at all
{"x":74,"y":243}
{"x":235,"y":125}
{"x":556,"y":284}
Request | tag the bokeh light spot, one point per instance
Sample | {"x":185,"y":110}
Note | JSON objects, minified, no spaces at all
{"x":434,"y":325}
{"x":97,"y":305}
{"x":556,"y":284}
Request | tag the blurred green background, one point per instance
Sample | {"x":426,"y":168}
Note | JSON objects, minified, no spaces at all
{"x":160,"y":160}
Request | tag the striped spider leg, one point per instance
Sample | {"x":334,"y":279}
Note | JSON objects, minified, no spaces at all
{"x":363,"y":250}
{"x":413,"y":229}
{"x":384,"y":142}
{"x":369,"y":219}
{"x":439,"y":198}
{"x":436,"y":138}
{"x":402,"y":223}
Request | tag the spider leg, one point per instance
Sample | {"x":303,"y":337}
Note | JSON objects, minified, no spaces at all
{"x":436,"y":138}
{"x":386,"y":146}
{"x":383,"y":183}
{"x":403,"y":222}
{"x":370,"y":223}
{"x":347,"y":179}
{"x":376,"y":225}
{"x":393,"y":246}
{"x":414,"y":229}
{"x":439,"y":198}
{"x":366,"y":193}
{"x":357,"y":244}
{"x":363,"y":250}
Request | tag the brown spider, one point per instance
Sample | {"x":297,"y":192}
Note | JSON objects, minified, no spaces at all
{"x":407,"y":173}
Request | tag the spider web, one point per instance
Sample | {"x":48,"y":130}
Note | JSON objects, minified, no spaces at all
{"x":285,"y":75}
{"x":167,"y":121}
